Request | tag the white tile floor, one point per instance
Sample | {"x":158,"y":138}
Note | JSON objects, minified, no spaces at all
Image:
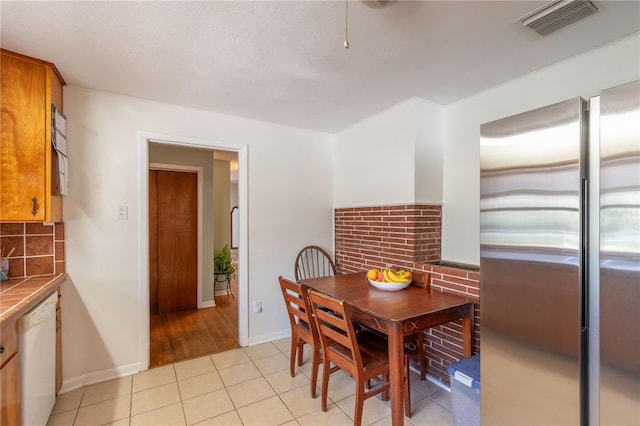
{"x":246,"y":386}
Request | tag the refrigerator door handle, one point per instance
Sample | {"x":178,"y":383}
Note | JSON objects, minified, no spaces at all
{"x":584,"y":257}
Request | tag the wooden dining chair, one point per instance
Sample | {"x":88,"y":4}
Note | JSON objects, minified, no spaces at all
{"x":313,"y":262}
{"x":303,"y":328}
{"x":363,"y":355}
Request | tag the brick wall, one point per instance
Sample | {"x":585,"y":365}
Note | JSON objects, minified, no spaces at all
{"x":444,"y":343}
{"x":39,"y":248}
{"x":409,"y":237}
{"x":378,"y":235}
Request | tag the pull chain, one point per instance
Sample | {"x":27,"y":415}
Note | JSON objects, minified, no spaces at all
{"x":346,"y":25}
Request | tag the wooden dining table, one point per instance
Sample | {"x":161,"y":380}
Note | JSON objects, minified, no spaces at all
{"x":397,"y":314}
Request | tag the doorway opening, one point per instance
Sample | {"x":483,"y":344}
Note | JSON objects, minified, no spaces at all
{"x":220,"y":311}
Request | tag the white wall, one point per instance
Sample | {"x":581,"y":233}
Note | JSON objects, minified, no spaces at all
{"x":429,"y":125}
{"x":221,"y":205}
{"x":584,"y":75}
{"x":290,"y":199}
{"x":393,"y":157}
{"x":374,"y":161}
{"x":233,"y":194}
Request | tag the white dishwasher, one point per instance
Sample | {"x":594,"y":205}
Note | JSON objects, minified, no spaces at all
{"x":36,"y":350}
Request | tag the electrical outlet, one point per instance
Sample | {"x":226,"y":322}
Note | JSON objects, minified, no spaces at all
{"x":123,"y":212}
{"x":257,"y":306}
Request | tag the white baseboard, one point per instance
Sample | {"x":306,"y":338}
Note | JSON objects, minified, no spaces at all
{"x":207,"y":304}
{"x":256,"y":340}
{"x":130,"y":369}
{"x":99,"y":376}
{"x":436,"y":381}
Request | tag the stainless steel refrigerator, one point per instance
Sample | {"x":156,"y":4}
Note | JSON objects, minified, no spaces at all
{"x":560,"y":263}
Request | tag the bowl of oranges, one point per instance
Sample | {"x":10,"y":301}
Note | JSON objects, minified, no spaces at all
{"x":389,"y":279}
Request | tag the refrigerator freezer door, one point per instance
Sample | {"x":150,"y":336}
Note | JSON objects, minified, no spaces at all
{"x":530,"y":257}
{"x":620,"y":255}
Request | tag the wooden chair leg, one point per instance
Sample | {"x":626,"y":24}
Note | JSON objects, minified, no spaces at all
{"x":292,"y":358}
{"x":421,"y":358}
{"x":357,"y":415}
{"x":325,"y":384}
{"x":407,"y":388}
{"x":315,"y":361}
{"x":300,"y":352}
{"x":384,"y":395}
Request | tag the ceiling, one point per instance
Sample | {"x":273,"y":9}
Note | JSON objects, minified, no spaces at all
{"x":284,"y":61}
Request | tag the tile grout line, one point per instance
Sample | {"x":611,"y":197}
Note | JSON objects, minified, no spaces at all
{"x":184,"y":414}
{"x":75,"y":417}
{"x":265,"y":379}
{"x":235,"y":409}
{"x":226,"y":390}
{"x":130,"y":401}
{"x":273,"y":389}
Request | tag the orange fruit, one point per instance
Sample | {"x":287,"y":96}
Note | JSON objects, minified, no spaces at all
{"x":372,"y":274}
{"x":407,"y":274}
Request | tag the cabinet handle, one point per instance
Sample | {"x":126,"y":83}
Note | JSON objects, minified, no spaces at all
{"x":1,"y":349}
{"x":34,"y":209}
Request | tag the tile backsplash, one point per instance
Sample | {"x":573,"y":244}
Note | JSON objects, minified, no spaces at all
{"x":38,"y":248}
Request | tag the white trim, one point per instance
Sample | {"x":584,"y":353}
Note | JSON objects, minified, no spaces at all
{"x":223,"y":292}
{"x":270,"y":337}
{"x":199,"y":173}
{"x":99,"y":377}
{"x":243,"y":249}
{"x":435,"y":380}
{"x":144,"y":138}
{"x":144,"y":322}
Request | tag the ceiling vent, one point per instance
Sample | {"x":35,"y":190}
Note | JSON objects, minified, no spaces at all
{"x":557,"y":14}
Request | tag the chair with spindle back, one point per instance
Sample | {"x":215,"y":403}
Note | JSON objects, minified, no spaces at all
{"x":303,"y":328}
{"x":313,"y":262}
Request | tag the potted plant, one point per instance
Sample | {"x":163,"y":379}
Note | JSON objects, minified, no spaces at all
{"x":223,"y":262}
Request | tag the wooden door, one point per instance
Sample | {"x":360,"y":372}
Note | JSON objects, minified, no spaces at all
{"x":173,"y":228}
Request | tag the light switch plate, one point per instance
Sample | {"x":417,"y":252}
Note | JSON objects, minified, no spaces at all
{"x":123,"y":212}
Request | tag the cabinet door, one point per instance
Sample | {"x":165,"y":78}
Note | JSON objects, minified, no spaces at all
{"x":9,"y":375}
{"x":29,"y":171}
{"x":10,"y":394}
{"x":23,"y":139}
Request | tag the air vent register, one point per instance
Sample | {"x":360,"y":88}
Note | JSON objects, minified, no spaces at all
{"x":557,"y":14}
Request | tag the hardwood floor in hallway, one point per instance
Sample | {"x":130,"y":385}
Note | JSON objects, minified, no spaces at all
{"x":179,"y":336}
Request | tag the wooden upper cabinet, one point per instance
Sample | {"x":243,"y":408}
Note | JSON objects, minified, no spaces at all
{"x":29,"y":188}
